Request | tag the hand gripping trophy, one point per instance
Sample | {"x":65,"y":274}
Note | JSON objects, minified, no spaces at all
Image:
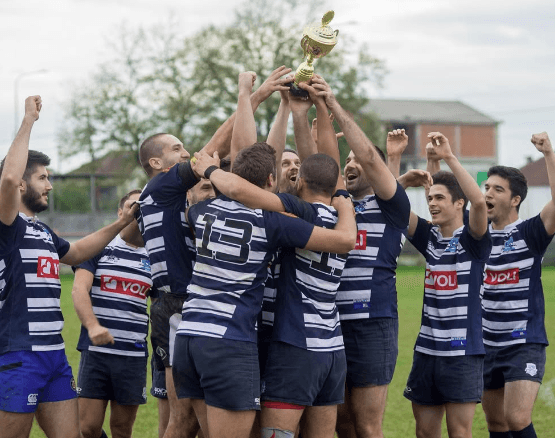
{"x":318,"y":40}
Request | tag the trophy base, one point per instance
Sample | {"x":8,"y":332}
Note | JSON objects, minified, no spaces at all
{"x":296,"y":91}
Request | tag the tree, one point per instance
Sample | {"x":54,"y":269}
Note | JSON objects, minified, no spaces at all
{"x":159,"y":81}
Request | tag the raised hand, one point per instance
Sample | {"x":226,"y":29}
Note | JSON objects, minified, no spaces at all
{"x":397,"y":142}
{"x":300,"y":104}
{"x":542,"y":142}
{"x":203,"y":161}
{"x":33,"y":105}
{"x":128,"y":211}
{"x":416,"y":178}
{"x":246,"y":81}
{"x":439,"y":146}
{"x":323,"y":90}
{"x":314,"y":129}
{"x":274,"y":82}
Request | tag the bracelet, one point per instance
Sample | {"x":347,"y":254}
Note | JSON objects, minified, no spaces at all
{"x":343,"y":193}
{"x":209,"y":171}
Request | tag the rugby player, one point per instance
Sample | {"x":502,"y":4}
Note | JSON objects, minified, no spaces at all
{"x":110,"y":294}
{"x":35,"y":377}
{"x":513,"y":301}
{"x":447,"y":370}
{"x":165,"y":235}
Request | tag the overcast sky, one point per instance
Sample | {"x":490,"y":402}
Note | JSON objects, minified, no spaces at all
{"x":497,"y":56}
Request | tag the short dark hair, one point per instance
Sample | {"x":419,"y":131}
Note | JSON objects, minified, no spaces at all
{"x":449,"y":180}
{"x":34,"y":159}
{"x":517,"y":181}
{"x":256,"y":163}
{"x":150,"y":148}
{"x":320,"y":172}
{"x":225,"y":164}
{"x":293,"y":151}
{"x":127,"y":196}
{"x":381,"y":154}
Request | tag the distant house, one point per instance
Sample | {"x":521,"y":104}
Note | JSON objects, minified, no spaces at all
{"x":472,"y":134}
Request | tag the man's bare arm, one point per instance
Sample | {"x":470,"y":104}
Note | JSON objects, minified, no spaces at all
{"x":543,"y":144}
{"x":303,"y":137}
{"x":16,"y":161}
{"x":278,"y":132}
{"x":397,"y":142}
{"x":244,"y":128}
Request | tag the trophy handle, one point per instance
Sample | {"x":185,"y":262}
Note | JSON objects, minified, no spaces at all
{"x":336,"y":32}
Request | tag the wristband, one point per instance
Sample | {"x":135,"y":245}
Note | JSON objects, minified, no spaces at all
{"x":343,"y":193}
{"x":209,"y":171}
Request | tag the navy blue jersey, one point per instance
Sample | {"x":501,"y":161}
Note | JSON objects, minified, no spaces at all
{"x":451,"y":313}
{"x":119,"y":292}
{"x":162,"y":224}
{"x":513,"y":302}
{"x":368,"y":288}
{"x":30,"y":314}
{"x":305,"y":312}
{"x":234,"y":246}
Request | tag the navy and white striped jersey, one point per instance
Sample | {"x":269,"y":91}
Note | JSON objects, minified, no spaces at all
{"x":119,"y":293}
{"x":513,"y":303}
{"x":234,"y":245}
{"x":368,"y":286}
{"x":451,"y":314}
{"x":270,"y":292}
{"x":162,"y":224}
{"x":30,"y":314}
{"x":306,"y":315}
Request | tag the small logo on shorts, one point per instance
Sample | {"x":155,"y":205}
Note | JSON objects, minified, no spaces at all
{"x":263,"y":387}
{"x":78,"y":390}
{"x":73,"y":385}
{"x":144,"y":392}
{"x":160,"y":392}
{"x":531,"y":369}
{"x":32,"y":399}
{"x":161,"y":352}
{"x":257,"y":401}
{"x":408,"y":389}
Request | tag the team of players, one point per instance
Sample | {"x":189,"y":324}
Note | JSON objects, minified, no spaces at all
{"x":215,"y":364}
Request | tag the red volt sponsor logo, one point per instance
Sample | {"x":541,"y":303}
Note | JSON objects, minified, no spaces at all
{"x":124,"y":286}
{"x":441,"y":280}
{"x":508,"y":276}
{"x":47,"y":267}
{"x":361,"y":240}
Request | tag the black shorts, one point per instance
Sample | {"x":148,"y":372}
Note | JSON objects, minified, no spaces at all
{"x":106,"y":376}
{"x":223,"y":372}
{"x":436,"y":380}
{"x":371,"y":348}
{"x":513,"y":362}
{"x":158,"y":388}
{"x":168,"y":306}
{"x":302,"y":377}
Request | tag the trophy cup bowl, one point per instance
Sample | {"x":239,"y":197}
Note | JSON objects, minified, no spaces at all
{"x":318,"y":40}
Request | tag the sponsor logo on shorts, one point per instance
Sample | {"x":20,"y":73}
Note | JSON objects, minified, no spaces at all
{"x":78,"y":390}
{"x":32,"y":399}
{"x":408,"y":389}
{"x":452,"y":245}
{"x":257,"y":401}
{"x":160,"y":392}
{"x":441,"y":280}
{"x":508,"y":276}
{"x":531,"y":369}
{"x":161,"y":352}
{"x":47,"y":267}
{"x":124,"y":286}
{"x":73,"y":385}
{"x":361,"y":240}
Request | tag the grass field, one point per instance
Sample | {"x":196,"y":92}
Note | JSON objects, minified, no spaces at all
{"x":398,"y":422}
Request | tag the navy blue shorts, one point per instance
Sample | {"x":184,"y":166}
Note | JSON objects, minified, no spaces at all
{"x":223,"y":372}
{"x":161,"y":312}
{"x":158,"y":388}
{"x":106,"y":376}
{"x":302,"y":377}
{"x":28,"y":378}
{"x":513,"y":362}
{"x":371,"y":347}
{"x":436,"y":380}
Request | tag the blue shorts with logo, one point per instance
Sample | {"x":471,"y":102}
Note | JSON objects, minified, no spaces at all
{"x":513,"y":362}
{"x":158,"y":388}
{"x":303,"y":377}
{"x":436,"y":380}
{"x":223,"y":372}
{"x":28,"y":378}
{"x":371,"y":347}
{"x":105,"y":376}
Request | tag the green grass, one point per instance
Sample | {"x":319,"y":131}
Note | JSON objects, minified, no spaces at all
{"x":398,"y":421}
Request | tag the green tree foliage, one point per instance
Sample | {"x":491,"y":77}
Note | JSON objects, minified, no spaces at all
{"x":160,"y":81}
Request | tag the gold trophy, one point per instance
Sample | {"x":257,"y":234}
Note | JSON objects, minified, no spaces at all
{"x":318,"y":40}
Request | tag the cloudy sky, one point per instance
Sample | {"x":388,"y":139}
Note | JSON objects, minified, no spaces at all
{"x":497,"y":56}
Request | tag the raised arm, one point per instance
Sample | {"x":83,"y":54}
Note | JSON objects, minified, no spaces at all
{"x":303,"y":137}
{"x":396,"y":144}
{"x":89,"y":246}
{"x":477,"y":219}
{"x":16,"y":162}
{"x":82,"y":284}
{"x":543,"y":144}
{"x":278,"y":132}
{"x":381,"y":179}
{"x":244,"y":128}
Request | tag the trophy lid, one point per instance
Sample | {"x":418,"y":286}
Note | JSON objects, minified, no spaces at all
{"x":321,"y":32}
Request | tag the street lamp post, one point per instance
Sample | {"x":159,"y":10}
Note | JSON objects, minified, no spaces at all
{"x":16,"y":96}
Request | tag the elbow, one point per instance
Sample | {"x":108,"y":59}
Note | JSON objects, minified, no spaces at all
{"x":10,"y":181}
{"x":348,"y":242}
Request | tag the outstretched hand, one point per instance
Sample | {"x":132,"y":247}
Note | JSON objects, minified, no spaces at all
{"x":246,"y":81}
{"x":416,"y":178}
{"x":439,"y":146}
{"x":542,"y":142}
{"x":322,"y":90}
{"x":397,"y":142}
{"x":203,"y":161}
{"x":274,"y":82}
{"x":33,"y":105}
{"x":314,"y":129}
